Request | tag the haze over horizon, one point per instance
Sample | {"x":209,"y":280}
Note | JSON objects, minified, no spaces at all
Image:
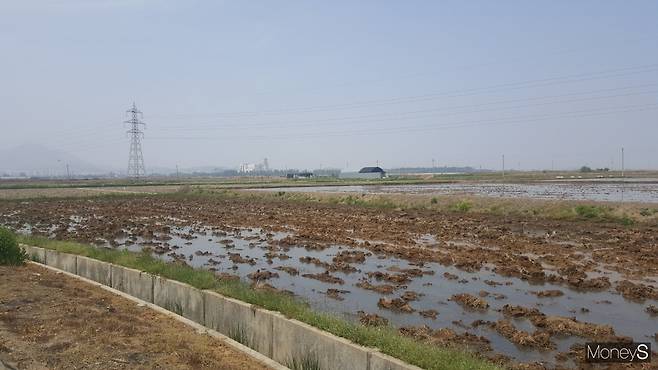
{"x":340,"y":84}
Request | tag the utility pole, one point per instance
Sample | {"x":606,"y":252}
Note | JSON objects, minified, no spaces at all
{"x":177,"y":173}
{"x":135,"y":158}
{"x":503,"y":165}
{"x":68,"y":172}
{"x":622,"y":161}
{"x":622,"y":175}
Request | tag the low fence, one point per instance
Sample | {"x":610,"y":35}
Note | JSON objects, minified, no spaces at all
{"x":286,"y":341}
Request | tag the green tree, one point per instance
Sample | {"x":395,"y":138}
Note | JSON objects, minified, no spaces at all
{"x":10,"y":252}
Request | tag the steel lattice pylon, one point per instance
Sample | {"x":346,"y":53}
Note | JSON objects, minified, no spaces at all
{"x":136,"y":158}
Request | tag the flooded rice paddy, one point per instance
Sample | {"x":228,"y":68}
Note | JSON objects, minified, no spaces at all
{"x":419,"y":297}
{"x":593,"y":191}
{"x":513,"y":289}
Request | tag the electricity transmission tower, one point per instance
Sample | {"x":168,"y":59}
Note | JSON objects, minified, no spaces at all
{"x":135,"y":159}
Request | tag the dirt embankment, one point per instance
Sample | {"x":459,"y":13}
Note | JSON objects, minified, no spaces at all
{"x":51,"y":321}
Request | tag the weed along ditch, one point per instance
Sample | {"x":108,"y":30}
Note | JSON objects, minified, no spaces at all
{"x":512,"y":290}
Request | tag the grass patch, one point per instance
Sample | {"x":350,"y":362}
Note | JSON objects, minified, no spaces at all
{"x":603,"y":213}
{"x":372,"y":202}
{"x":626,"y":220}
{"x":462,"y":206}
{"x":648,"y":212}
{"x":591,"y":212}
{"x":386,"y":339}
{"x":306,"y":361}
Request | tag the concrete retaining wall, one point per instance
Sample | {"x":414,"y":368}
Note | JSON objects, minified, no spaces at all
{"x":380,"y":361}
{"x":241,"y":321}
{"x":98,"y":271}
{"x":296,"y":341}
{"x":62,"y":261}
{"x":180,"y":298}
{"x":269,"y":333}
{"x":136,"y":283}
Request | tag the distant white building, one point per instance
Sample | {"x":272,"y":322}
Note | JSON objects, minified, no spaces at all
{"x":247,"y":167}
{"x":254,"y":167}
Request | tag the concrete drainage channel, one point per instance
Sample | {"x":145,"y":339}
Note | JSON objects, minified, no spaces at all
{"x":269,"y":333}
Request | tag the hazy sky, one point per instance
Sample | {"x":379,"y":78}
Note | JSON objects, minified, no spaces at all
{"x":309,"y":83}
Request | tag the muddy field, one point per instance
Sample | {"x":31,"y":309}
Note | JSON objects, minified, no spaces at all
{"x":51,"y":321}
{"x":516,"y":290}
{"x":635,"y":190}
{"x":83,"y":191}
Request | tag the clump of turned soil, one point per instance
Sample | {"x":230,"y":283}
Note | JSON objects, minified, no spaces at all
{"x":470,"y":301}
{"x":395,"y":304}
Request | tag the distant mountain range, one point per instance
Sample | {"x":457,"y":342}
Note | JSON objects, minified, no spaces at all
{"x":38,"y":160}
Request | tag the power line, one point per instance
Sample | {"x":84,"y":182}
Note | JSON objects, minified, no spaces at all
{"x":80,"y":140}
{"x":379,"y":117}
{"x":430,"y":127}
{"x":78,"y":136}
{"x":625,"y":41}
{"x":617,"y":72}
{"x":66,"y":135}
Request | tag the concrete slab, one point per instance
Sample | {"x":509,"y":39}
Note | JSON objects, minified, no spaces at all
{"x":98,"y":271}
{"x":180,"y":298}
{"x":240,"y":321}
{"x":136,"y":283}
{"x":296,"y":341}
{"x":62,"y":261}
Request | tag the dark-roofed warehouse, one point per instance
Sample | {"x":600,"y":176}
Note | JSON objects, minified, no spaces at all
{"x":373,"y":170}
{"x":365,"y":173}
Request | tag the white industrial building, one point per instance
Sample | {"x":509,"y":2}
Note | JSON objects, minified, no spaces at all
{"x":254,"y":167}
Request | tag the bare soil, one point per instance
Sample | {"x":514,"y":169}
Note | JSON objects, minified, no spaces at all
{"x":52,"y":321}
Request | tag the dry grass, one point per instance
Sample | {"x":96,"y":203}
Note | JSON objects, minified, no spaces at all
{"x":627,"y":213}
